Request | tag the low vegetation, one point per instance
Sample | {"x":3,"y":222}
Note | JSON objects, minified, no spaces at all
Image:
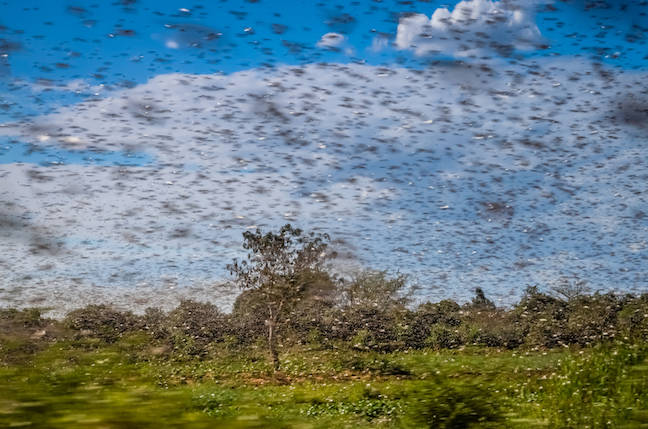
{"x":304,"y":349}
{"x":545,"y":362}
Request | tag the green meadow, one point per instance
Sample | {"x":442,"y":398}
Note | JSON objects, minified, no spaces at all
{"x":61,"y":380}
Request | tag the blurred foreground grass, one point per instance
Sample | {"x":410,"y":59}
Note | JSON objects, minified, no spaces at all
{"x":88,"y":383}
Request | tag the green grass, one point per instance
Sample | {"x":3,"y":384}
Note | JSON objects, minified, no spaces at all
{"x":606,"y":388}
{"x":131,"y":383}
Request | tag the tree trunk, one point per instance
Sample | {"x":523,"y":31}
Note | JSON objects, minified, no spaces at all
{"x":272,"y":345}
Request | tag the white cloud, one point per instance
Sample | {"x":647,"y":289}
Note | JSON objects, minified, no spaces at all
{"x":331,"y":40}
{"x":341,"y":148}
{"x":172,"y":44}
{"x":379,"y":43}
{"x":474,"y":27}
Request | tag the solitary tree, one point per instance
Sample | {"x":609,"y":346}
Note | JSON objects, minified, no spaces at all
{"x":281,"y":268}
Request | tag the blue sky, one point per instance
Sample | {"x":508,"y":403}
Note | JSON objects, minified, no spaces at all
{"x":121,"y":43}
{"x":483,"y":143}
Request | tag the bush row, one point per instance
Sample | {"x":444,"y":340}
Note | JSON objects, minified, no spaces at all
{"x":539,"y":320}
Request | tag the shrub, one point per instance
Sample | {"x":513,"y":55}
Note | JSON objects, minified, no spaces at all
{"x":22,"y":332}
{"x":591,"y":319}
{"x":155,"y":323}
{"x":633,"y":318}
{"x":422,"y":321}
{"x":491,"y":328}
{"x":195,"y":325}
{"x":312,"y":315}
{"x":443,"y":403}
{"x":540,"y":318}
{"x":248,"y":316}
{"x":26,"y":318}
{"x":102,"y":321}
{"x":442,"y":336}
{"x":369,"y":328}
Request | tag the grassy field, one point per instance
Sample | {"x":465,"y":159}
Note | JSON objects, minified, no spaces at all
{"x":88,"y":383}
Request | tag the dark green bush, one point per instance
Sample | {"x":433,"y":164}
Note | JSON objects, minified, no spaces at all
{"x":633,"y":318}
{"x":155,"y":323}
{"x":102,"y":321}
{"x":25,"y":318}
{"x":196,"y":325}
{"x":22,"y":333}
{"x":443,"y":336}
{"x":450,"y":403}
{"x":540,"y":318}
{"x":369,"y":328}
{"x":491,"y":328}
{"x":421,"y":322}
{"x":591,"y":319}
{"x":248,"y":317}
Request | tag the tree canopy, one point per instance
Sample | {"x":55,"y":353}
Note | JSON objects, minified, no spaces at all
{"x":282,"y":268}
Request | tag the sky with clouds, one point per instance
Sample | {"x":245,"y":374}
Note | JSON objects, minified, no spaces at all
{"x":477,"y":143}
